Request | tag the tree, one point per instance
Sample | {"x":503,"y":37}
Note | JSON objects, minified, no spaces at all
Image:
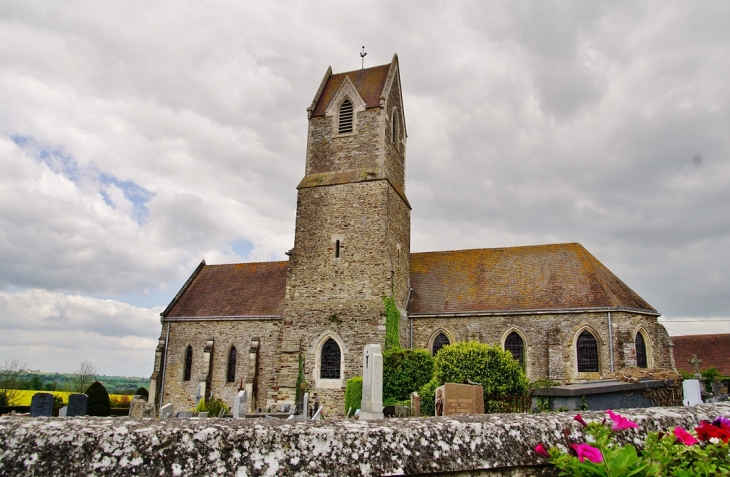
{"x":83,"y":377}
{"x":35,"y":383}
{"x":11,"y":381}
{"x":98,"y":403}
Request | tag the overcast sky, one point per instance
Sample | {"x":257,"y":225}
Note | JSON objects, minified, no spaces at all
{"x":137,"y":138}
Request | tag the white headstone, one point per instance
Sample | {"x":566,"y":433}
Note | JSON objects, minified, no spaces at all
{"x":305,"y":405}
{"x":372,"y":383}
{"x":317,"y":416}
{"x":62,"y":411}
{"x":692,"y":394}
{"x":239,"y":405}
{"x":203,"y":414}
{"x":167,"y":410}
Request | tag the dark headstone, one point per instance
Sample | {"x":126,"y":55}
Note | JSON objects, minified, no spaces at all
{"x":41,"y":404}
{"x":77,"y":405}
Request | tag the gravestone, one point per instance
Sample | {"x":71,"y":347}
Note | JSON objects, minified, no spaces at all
{"x":203,"y":414}
{"x":62,"y":411}
{"x":317,"y":416}
{"x":41,"y":404}
{"x":372,"y":383}
{"x":305,"y":405}
{"x":77,"y":404}
{"x":402,"y":411}
{"x":415,"y":405}
{"x":167,"y":410}
{"x":454,"y":399}
{"x":239,"y":405}
{"x":140,"y":408}
{"x":185,"y":414}
{"x":692,"y":392}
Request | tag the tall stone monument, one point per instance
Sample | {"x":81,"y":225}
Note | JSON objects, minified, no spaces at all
{"x":371,"y":406}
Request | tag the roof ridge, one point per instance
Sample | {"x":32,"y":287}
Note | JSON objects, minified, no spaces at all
{"x":245,"y":263}
{"x":503,"y":248}
{"x":361,"y":69}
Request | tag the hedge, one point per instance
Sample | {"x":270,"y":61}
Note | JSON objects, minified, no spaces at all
{"x":353,"y":394}
{"x":405,"y":371}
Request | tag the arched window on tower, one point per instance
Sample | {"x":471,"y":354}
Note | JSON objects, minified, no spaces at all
{"x":587,"y":353}
{"x":188,"y":363}
{"x":394,"y":129}
{"x":516,"y":346}
{"x":330,"y":360}
{"x":641,"y":361}
{"x":346,"y":116}
{"x":231,"y":375}
{"x":438,"y":343}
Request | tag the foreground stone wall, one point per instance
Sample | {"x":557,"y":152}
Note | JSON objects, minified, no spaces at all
{"x":497,"y":444}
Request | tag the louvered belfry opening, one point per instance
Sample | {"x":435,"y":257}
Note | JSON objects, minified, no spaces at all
{"x":641,"y":361}
{"x":587,"y":353}
{"x":345,"y":117}
{"x":516,"y":346}
{"x":440,"y":341}
{"x":231,"y":375}
{"x":330,"y":360}
{"x":188,"y":363}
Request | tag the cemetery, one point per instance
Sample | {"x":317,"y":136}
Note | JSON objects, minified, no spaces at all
{"x":460,"y":437}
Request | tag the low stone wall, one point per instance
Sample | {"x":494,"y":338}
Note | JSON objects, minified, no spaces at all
{"x":496,"y":444}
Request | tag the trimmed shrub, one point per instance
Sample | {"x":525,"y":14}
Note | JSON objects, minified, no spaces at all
{"x":427,"y":393}
{"x":353,"y":394}
{"x":98,"y":403}
{"x":489,"y":365}
{"x":142,"y":391}
{"x":405,"y":371}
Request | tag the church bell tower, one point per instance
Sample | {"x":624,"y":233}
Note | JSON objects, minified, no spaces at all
{"x":352,"y":238}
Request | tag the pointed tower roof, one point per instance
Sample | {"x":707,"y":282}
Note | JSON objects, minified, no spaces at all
{"x":369,"y":83}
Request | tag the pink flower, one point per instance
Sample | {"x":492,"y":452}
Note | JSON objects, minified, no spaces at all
{"x":585,"y":451}
{"x":581,"y":420}
{"x":540,"y":449}
{"x":684,"y":437}
{"x":619,"y":422}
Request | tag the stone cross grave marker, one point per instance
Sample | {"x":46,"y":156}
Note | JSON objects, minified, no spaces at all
{"x":371,"y":406}
{"x":77,"y":404}
{"x":41,"y":404}
{"x":62,"y":411}
{"x":454,"y":399}
{"x":167,"y":410}
{"x":239,"y":405}
{"x":415,"y":405}
{"x":696,"y":362}
{"x":692,"y":393}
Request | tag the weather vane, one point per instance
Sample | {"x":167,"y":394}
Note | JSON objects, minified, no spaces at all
{"x":362,"y":55}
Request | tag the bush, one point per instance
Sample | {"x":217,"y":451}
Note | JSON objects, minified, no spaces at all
{"x":427,"y":394}
{"x":489,"y":365}
{"x":120,"y":401}
{"x":142,"y":391}
{"x":98,"y":403}
{"x":405,"y":371}
{"x":353,"y":394}
{"x":214,"y":406}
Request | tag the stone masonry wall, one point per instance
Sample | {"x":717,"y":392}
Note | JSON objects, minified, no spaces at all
{"x":225,"y":334}
{"x":550,"y":339}
{"x":466,"y":445}
{"x":395,"y":154}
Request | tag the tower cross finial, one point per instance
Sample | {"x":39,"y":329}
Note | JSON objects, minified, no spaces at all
{"x":362,"y":55}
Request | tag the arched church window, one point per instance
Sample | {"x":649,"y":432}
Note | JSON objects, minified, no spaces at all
{"x":346,"y":117}
{"x":587,"y":353}
{"x":515,"y":345}
{"x":330,"y":360}
{"x":440,"y":341}
{"x":394,"y":128}
{"x":231,"y":375}
{"x":640,"y":344}
{"x":188,"y":363}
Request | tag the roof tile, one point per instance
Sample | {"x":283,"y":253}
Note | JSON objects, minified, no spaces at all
{"x":369,"y":83}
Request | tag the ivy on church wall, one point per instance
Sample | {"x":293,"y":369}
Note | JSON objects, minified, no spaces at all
{"x":392,"y":321}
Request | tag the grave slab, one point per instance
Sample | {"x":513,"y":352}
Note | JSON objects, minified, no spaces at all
{"x":77,"y":404}
{"x":41,"y":404}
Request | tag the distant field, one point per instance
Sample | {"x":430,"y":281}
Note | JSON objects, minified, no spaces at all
{"x":24,"y":397}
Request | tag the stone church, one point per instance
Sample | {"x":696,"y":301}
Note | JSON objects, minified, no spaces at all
{"x":561,"y":313}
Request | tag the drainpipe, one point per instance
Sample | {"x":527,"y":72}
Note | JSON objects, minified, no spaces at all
{"x":164,"y":365}
{"x":410,"y":320}
{"x":610,"y":339}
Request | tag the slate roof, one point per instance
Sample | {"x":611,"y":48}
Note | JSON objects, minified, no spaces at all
{"x":369,"y":83}
{"x":711,"y":349}
{"x":239,"y":289}
{"x":540,"y":277}
{"x":515,"y":279}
